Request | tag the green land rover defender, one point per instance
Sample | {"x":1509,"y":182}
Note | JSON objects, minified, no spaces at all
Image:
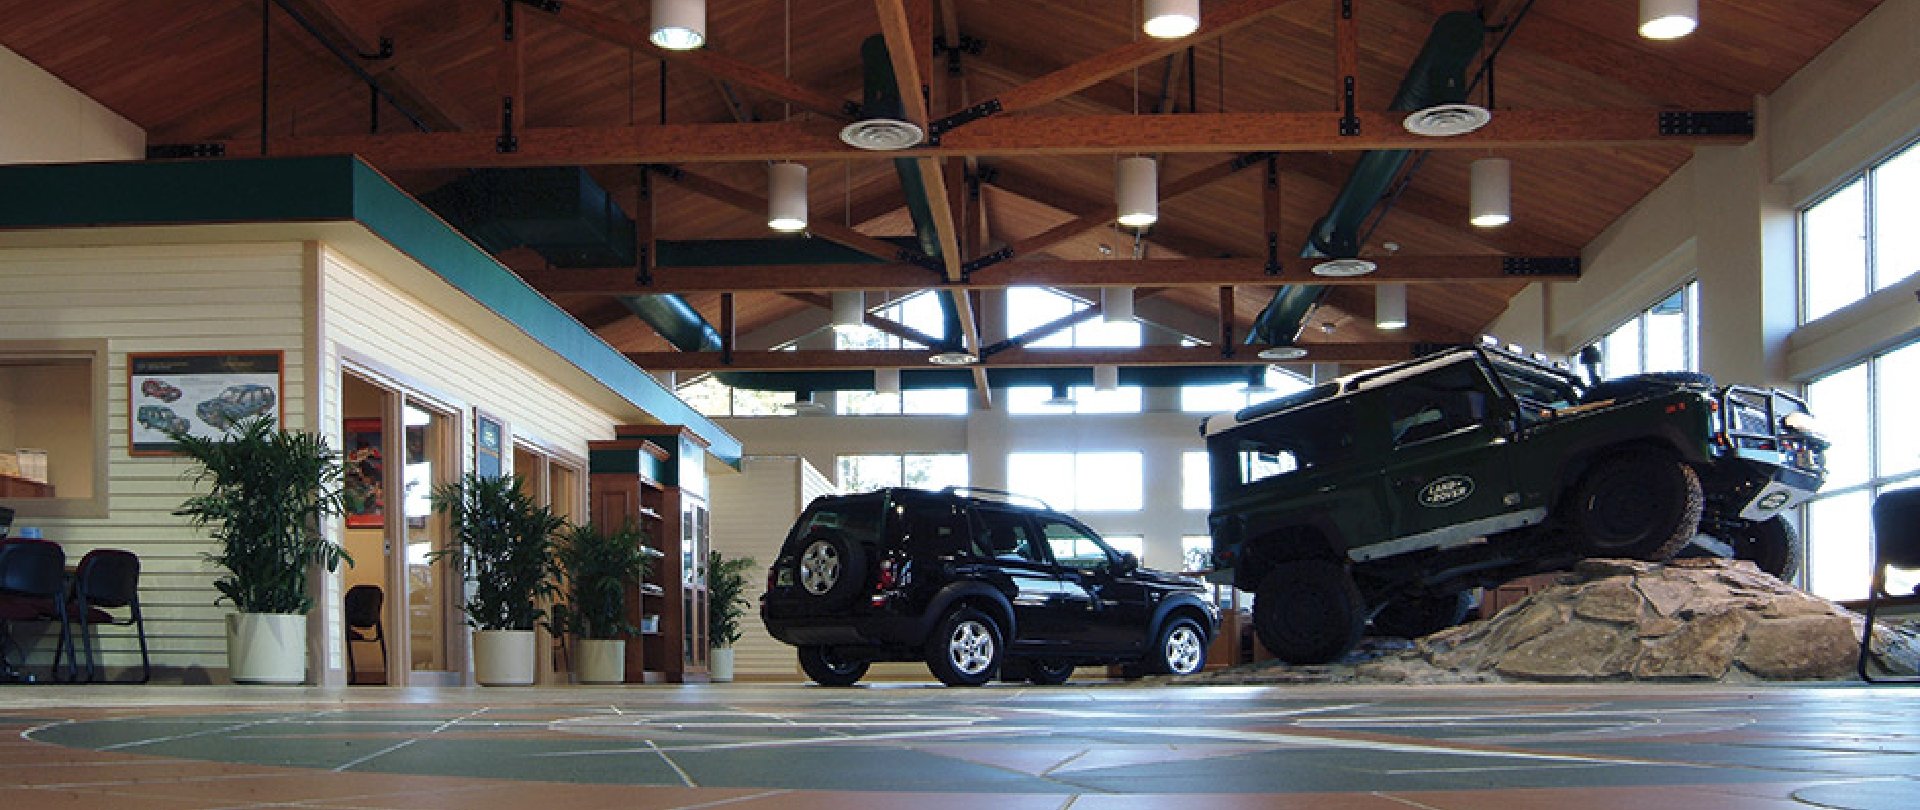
{"x":1389,"y":495}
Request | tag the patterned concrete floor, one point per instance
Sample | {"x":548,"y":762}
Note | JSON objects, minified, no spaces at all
{"x":1099,"y":746}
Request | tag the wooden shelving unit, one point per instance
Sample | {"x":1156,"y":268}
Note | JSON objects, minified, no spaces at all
{"x":654,"y":477}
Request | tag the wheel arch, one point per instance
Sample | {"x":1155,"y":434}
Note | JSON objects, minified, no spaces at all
{"x":1180,"y":606}
{"x":978,"y":595}
{"x":1314,"y":539}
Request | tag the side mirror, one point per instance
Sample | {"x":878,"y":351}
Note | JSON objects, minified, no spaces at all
{"x":1127,"y":565}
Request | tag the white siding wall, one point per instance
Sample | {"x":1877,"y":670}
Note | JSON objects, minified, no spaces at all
{"x":158,"y":299}
{"x":47,"y":121}
{"x":751,"y":514}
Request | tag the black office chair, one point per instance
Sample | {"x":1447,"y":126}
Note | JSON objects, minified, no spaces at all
{"x":363,"y":604}
{"x":1896,"y":542}
{"x":106,"y":579}
{"x":33,"y":580}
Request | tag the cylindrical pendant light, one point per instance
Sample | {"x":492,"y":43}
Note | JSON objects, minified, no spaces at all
{"x":679,"y":25}
{"x":1106,"y":378}
{"x":886,"y":381}
{"x":849,"y":310}
{"x":1489,"y":198}
{"x":667,"y":379}
{"x":1390,"y":306}
{"x":1668,"y":19}
{"x":787,"y":197}
{"x":1116,"y":304}
{"x":1170,"y":19}
{"x":1136,"y":192}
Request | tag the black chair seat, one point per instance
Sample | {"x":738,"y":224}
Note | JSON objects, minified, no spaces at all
{"x":33,"y":578}
{"x":362,"y":606}
{"x":1896,"y":543}
{"x":107,"y":579}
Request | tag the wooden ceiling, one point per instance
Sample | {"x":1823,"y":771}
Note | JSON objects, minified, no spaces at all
{"x":1577,"y":95}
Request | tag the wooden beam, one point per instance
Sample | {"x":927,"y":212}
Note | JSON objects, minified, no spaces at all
{"x":702,"y":60}
{"x":405,"y":74}
{"x":1399,"y":269}
{"x":1360,"y":354}
{"x":1102,"y":215}
{"x":1217,"y":22}
{"x":1228,"y":342}
{"x":1014,"y":136}
{"x":748,"y":201}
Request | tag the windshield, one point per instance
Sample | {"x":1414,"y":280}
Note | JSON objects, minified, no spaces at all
{"x":1536,"y":388}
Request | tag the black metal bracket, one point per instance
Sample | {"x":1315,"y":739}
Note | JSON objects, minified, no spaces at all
{"x":1349,"y":123}
{"x":987,"y":174}
{"x":667,"y":170}
{"x":1346,"y":9}
{"x":988,"y":260}
{"x":385,"y":52}
{"x":921,"y":260}
{"x":173,"y":151}
{"x":968,"y":46}
{"x":1691,"y":122}
{"x":506,"y":20}
{"x":643,"y":268}
{"x":973,"y":186}
{"x":1249,"y":159}
{"x":1568,"y":266}
{"x":1273,"y":253}
{"x":967,"y":116}
{"x":548,"y":6}
{"x":507,"y":142}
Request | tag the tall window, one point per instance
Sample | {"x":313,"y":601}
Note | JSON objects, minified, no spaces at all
{"x":1861,"y":238}
{"x":711,"y":397}
{"x":1196,"y":483}
{"x":1665,"y":337}
{"x":918,"y":470}
{"x":921,"y":313}
{"x":1029,"y":308}
{"x":1196,"y":552}
{"x":1230,"y":397}
{"x":1866,"y":411}
{"x":1080,"y":482}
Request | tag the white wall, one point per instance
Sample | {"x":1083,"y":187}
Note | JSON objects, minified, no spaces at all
{"x":46,"y":121}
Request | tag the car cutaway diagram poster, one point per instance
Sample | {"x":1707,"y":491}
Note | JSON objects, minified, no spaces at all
{"x":197,"y":393}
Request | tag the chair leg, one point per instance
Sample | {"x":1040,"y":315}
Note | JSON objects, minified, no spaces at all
{"x":353,"y":672}
{"x":140,"y":629}
{"x":380,"y":630}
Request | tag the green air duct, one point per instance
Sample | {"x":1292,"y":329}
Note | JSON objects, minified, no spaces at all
{"x":1437,"y":76}
{"x":929,"y":379}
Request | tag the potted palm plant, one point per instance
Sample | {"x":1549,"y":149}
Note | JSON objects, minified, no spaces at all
{"x":502,"y":544}
{"x":597,"y":568}
{"x":269,"y":491}
{"x":726,"y":604}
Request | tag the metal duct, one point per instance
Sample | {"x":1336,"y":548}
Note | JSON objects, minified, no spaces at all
{"x":932,"y":378}
{"x":1437,"y":76}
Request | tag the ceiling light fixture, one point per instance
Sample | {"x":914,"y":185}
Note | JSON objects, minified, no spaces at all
{"x":1062,"y":396}
{"x":803,"y":404}
{"x":953,"y":357}
{"x":1489,"y":194}
{"x":1344,"y":268}
{"x":679,"y":25}
{"x":787,"y":197}
{"x":1668,"y":19}
{"x":1135,"y":191}
{"x":1446,"y":120}
{"x":1282,"y":353}
{"x":1170,"y":19}
{"x":886,"y":381}
{"x":849,"y":310}
{"x":1116,"y":304}
{"x":1390,"y":306}
{"x":1106,"y":378}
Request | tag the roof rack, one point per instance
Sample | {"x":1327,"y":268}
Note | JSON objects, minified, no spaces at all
{"x":1001,"y":494}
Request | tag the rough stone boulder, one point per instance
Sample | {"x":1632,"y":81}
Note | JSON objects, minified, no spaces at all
{"x":1694,"y":620}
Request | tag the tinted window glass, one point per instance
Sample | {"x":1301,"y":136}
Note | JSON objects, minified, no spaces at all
{"x":1072,"y":546}
{"x":1307,"y":439}
{"x":860,"y":517}
{"x":1005,"y":536}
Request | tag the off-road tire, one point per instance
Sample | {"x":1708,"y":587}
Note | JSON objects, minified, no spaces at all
{"x":1423,"y":615}
{"x":1180,"y":650}
{"x":1308,"y":611}
{"x":830,"y":568}
{"x":1771,"y":544}
{"x":965,"y":648}
{"x":1643,"y":504}
{"x":1048,"y":672}
{"x":828,"y":669}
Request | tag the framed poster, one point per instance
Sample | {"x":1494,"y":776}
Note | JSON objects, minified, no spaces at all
{"x":198,"y":393}
{"x":489,"y":443}
{"x":363,"y":488}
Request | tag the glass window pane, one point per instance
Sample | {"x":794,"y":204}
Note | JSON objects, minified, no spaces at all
{"x":1100,"y":333}
{"x":1896,"y":207}
{"x":1834,"y":251}
{"x":708,"y":396}
{"x":1087,"y":399}
{"x":1838,"y":551}
{"x":935,"y":402}
{"x":1839,"y":402}
{"x":1130,"y":543}
{"x":1027,"y":400}
{"x":865,"y":403}
{"x":868,"y":473}
{"x":934,"y":470}
{"x":1047,"y":476}
{"x":1620,"y":351}
{"x":1108,"y":482}
{"x":1896,"y":383}
{"x":1196,"y":552}
{"x":761,"y":403}
{"x":1217,"y":398}
{"x":1030,"y":307}
{"x":1668,"y":338}
{"x":1196,"y":488}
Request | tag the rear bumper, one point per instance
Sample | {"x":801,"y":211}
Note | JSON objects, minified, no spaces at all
{"x":877,"y":630}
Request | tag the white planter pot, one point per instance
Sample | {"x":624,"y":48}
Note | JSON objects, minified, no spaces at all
{"x":267,"y":647}
{"x":503,"y":657}
{"x":720,"y":664}
{"x":600,"y":660}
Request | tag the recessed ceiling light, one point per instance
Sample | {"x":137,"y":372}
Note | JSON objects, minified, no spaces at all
{"x":1344,"y":268}
{"x":1282,"y":353}
{"x":882,"y":134}
{"x":1447,"y":120}
{"x":953,"y":358}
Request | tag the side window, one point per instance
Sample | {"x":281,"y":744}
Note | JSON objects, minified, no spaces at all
{"x":858,"y":516}
{"x":1314,"y":437}
{"x":937,"y":528}
{"x":1002,"y":535}
{"x":1437,"y":403}
{"x":1260,"y":463}
{"x":1073,"y":547}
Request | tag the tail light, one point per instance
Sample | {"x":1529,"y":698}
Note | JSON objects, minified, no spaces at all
{"x":888,"y":578}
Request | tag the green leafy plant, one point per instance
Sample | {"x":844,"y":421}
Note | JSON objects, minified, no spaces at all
{"x":596,"y":569}
{"x":502,"y":542}
{"x":270,"y":491}
{"x":726,"y":597}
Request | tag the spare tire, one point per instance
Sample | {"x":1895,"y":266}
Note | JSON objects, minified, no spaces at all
{"x":830,"y":568}
{"x":1634,"y":385}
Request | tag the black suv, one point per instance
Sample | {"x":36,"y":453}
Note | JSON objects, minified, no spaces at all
{"x":973,"y":586}
{"x":1390,"y":494}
